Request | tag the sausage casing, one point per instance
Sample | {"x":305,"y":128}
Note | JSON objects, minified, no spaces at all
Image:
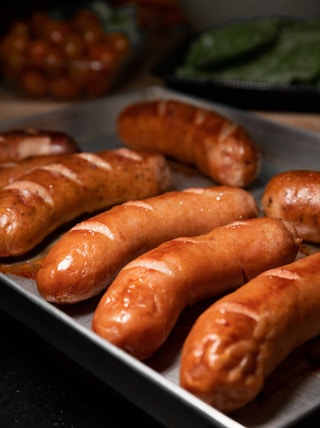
{"x":10,"y":171}
{"x":238,"y":341}
{"x":142,"y":305}
{"x":218,"y":147}
{"x":20,"y":144}
{"x":52,"y":195}
{"x":295,"y":196}
{"x":86,"y":259}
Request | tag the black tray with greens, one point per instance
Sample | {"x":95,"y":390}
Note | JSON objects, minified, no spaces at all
{"x":268,"y":63}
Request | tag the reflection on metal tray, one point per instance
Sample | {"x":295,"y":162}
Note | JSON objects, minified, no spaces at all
{"x":240,"y":94}
{"x":290,"y":393}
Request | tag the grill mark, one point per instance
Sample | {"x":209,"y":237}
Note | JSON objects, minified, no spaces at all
{"x":156,"y":265}
{"x":62,"y":170}
{"x":94,"y":226}
{"x":29,"y":188}
{"x":95,"y":160}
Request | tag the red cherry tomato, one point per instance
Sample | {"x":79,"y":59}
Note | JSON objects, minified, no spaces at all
{"x":55,"y":31}
{"x":119,"y":42}
{"x":73,"y":46}
{"x":34,"y":83}
{"x":54,"y":62}
{"x":104,"y":54}
{"x":37,"y":52}
{"x":64,"y":88}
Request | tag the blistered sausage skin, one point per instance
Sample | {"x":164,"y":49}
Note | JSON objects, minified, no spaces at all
{"x":39,"y":202}
{"x":86,"y":259}
{"x":10,"y":171}
{"x":295,"y":196}
{"x":238,"y":341}
{"x":218,"y":147}
{"x":141,"y":306}
{"x":20,"y":144}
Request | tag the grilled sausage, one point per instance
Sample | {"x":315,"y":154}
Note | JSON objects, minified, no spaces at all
{"x":142,"y":305}
{"x":10,"y":171}
{"x":86,"y":259}
{"x":203,"y":138}
{"x":239,"y":340}
{"x":295,"y":196}
{"x":52,"y":195}
{"x":20,"y":144}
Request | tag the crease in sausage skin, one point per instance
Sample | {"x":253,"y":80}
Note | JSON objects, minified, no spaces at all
{"x":58,"y":168}
{"x":95,"y":227}
{"x":95,"y":160}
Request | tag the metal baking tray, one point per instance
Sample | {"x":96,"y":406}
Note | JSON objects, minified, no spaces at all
{"x":291,"y":393}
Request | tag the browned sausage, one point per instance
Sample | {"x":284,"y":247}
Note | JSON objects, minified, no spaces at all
{"x":218,"y":147}
{"x":236,"y":343}
{"x":54,"y":194}
{"x":10,"y":171}
{"x":142,"y":305}
{"x":20,"y":144}
{"x":295,"y":196}
{"x":86,"y":259}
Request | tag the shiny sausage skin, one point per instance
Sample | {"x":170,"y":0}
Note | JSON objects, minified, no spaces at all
{"x":142,"y":305}
{"x":218,"y":147}
{"x":52,"y":195}
{"x":86,"y":259}
{"x":295,"y":196}
{"x":10,"y":171}
{"x":20,"y":144}
{"x":238,"y":341}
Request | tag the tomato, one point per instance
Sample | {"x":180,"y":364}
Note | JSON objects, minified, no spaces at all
{"x":14,"y":65}
{"x":55,"y":31}
{"x":64,"y":88}
{"x":60,"y":58}
{"x":54,"y":62}
{"x":73,"y":46}
{"x":105,"y":54}
{"x":85,"y":18}
{"x":34,"y":83}
{"x":79,"y":71}
{"x":93,"y":34}
{"x":13,"y":42}
{"x":19,"y":27}
{"x":37,"y":52}
{"x":118,"y":41}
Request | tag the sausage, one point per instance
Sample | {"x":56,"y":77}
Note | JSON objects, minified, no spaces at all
{"x":238,"y":341}
{"x":295,"y":196}
{"x":86,"y":259}
{"x":20,"y":144}
{"x":218,"y":147}
{"x":141,"y":306}
{"x":52,"y":195}
{"x":10,"y":171}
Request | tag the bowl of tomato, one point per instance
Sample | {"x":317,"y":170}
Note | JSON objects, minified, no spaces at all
{"x":54,"y":56}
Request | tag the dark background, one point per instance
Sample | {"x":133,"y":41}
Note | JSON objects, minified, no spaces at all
{"x":41,"y":388}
